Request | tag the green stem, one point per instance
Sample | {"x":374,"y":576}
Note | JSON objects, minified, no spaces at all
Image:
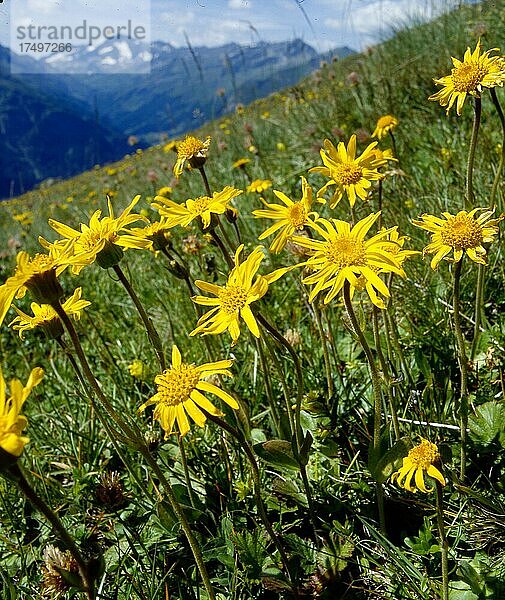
{"x":285,"y":391}
{"x":225,"y":235}
{"x":443,"y":543}
{"x":471,"y":151}
{"x":324,"y":344}
{"x":393,"y":142}
{"x":463,"y":366}
{"x":222,"y":247}
{"x":479,"y":297}
{"x":148,"y":324}
{"x":377,"y":396}
{"x":499,"y":172}
{"x":298,"y":408}
{"x":385,"y":372}
{"x":135,"y":437}
{"x":268,"y":385}
{"x":184,"y":462}
{"x":238,"y":435}
{"x":18,"y":476}
{"x":205,"y":182}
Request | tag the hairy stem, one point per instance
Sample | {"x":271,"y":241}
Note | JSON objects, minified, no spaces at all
{"x":499,"y":172}
{"x":443,"y":542}
{"x":471,"y":151}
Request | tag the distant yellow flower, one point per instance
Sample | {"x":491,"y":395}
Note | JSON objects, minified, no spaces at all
{"x":11,"y":422}
{"x":384,"y":125}
{"x":24,"y":218}
{"x":460,"y":233}
{"x":345,"y":255}
{"x":422,"y":459}
{"x":38,"y":274}
{"x":102,"y":239}
{"x":259,"y":185}
{"x":281,"y":147}
{"x":202,"y":207}
{"x":233,"y":301}
{"x":180,"y":393}
{"x":46,"y":317}
{"x":289,"y":218}
{"x":138,"y":369}
{"x":164,"y":191}
{"x":193,"y":151}
{"x":240,"y":163}
{"x":170,"y":146}
{"x":349,"y":174}
{"x":469,"y":77}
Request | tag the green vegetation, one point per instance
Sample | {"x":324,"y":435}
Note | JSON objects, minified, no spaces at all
{"x":319,"y":485}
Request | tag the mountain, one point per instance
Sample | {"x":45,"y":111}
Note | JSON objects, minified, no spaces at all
{"x":46,"y":133}
{"x":56,"y":124}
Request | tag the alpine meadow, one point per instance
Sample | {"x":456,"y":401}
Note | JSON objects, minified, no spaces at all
{"x":266,"y":359}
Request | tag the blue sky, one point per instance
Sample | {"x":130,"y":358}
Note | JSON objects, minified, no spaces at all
{"x":322,"y":23}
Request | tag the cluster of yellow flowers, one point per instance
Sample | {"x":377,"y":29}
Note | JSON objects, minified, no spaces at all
{"x":338,"y":254}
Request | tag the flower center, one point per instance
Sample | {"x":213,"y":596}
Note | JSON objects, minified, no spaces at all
{"x":40,"y":263}
{"x":424,"y":455}
{"x":232,"y":298}
{"x":386,"y":121}
{"x":189,"y":147}
{"x":345,"y":251}
{"x":462,"y":231}
{"x":297,"y":215}
{"x":201,"y":204}
{"x":347,"y":173}
{"x":467,"y":76}
{"x":176,"y":384}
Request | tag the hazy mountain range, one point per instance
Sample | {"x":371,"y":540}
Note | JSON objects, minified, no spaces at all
{"x":53,"y":124}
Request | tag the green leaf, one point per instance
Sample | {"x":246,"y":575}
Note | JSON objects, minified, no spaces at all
{"x":286,"y":487}
{"x":384,"y":463}
{"x":277,"y":453}
{"x":305,"y":448}
{"x":488,"y":423}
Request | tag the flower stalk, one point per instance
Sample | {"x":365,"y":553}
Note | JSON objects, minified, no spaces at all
{"x":469,"y":198}
{"x":444,"y":545}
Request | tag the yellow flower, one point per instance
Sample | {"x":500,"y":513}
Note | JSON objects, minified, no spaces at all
{"x":180,"y":393}
{"x":46,"y":317}
{"x":289,"y":218}
{"x":259,"y":185}
{"x":460,"y":233}
{"x":24,"y":218}
{"x":38,"y":274}
{"x":170,"y":146}
{"x":11,"y":422}
{"x":152,"y":237}
{"x":192,"y":150}
{"x":349,"y":174}
{"x":384,"y":125}
{"x":381,"y":157}
{"x":164,"y":191}
{"x":138,"y":369}
{"x":240,"y":163}
{"x":345,"y":255}
{"x":234,"y":299}
{"x":422,"y":459}
{"x":101,"y":240}
{"x":202,"y":207}
{"x":281,"y":147}
{"x":469,"y":77}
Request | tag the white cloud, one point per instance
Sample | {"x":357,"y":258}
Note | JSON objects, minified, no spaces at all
{"x":237,"y":4}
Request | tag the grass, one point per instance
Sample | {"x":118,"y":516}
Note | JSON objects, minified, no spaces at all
{"x":130,"y":529}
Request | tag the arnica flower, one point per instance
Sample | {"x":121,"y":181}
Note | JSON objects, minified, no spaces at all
{"x":384,"y":125}
{"x":289,"y":218}
{"x":395,"y":249}
{"x":155,"y":236}
{"x":138,"y":369}
{"x":102,"y":239}
{"x":38,"y":274}
{"x":181,"y":392}
{"x":349,"y":174}
{"x":258,"y":186}
{"x":464,"y":232}
{"x":44,"y":315}
{"x":203,"y":207}
{"x":193,"y":151}
{"x":233,"y":301}
{"x":164,"y":191}
{"x":423,"y":458}
{"x":11,"y":422}
{"x":469,"y":77}
{"x":382,"y":157}
{"x":345,"y":255}
{"x":240,"y":163}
